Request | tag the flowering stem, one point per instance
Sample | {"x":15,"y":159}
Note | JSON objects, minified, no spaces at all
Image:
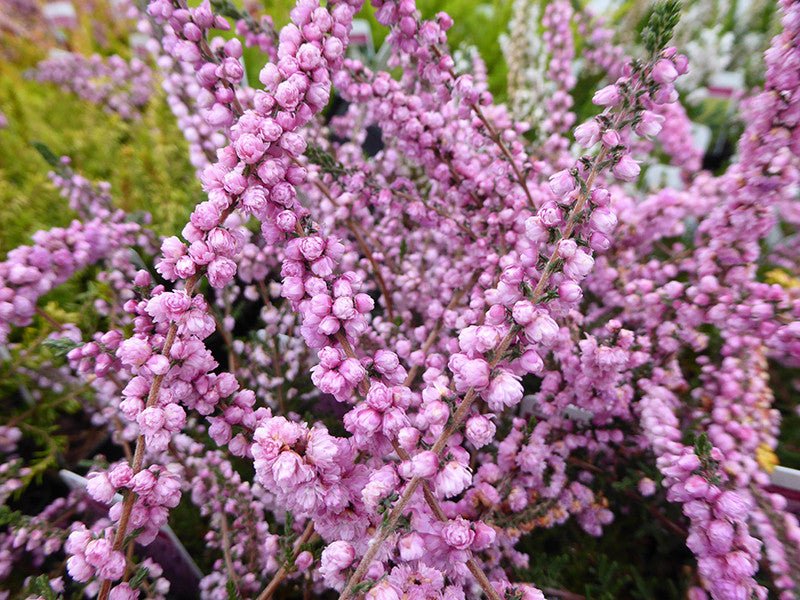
{"x":362,"y":244}
{"x":138,"y":454}
{"x":463,"y":409}
{"x":433,"y":502}
{"x":495,"y":137}
{"x":430,"y":497}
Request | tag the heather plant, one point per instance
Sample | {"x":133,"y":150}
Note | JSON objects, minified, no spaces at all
{"x":410,"y":340}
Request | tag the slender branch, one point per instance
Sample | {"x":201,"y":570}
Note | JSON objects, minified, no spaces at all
{"x":226,"y":548}
{"x":429,"y":341}
{"x":283,"y":572}
{"x":362,"y":243}
{"x":495,"y":137}
{"x":53,"y":323}
{"x":436,"y":507}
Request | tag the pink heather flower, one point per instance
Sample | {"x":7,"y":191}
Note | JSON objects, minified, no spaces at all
{"x":411,"y":547}
{"x":664,"y":72}
{"x":603,"y":219}
{"x":452,"y":479}
{"x":343,"y":308}
{"x":287,"y":95}
{"x":504,"y":391}
{"x":134,"y":352}
{"x":303,"y":561}
{"x":109,"y":563}
{"x":485,"y":536}
{"x":567,"y":249}
{"x":458,"y":534}
{"x":562,"y":183}
{"x":381,"y":484}
{"x":408,"y":438}
{"x":610,"y":138}
{"x":474,"y":373}
{"x":732,"y":505}
{"x":287,"y":468}
{"x":172,"y":248}
{"x":524,"y":312}
{"x":696,"y":486}
{"x":158,"y":364}
{"x":151,"y":420}
{"x":250,"y":148}
{"x":550,"y":214}
{"x":379,"y":397}
{"x":542,"y":329}
{"x":79,"y":569}
{"x":384,"y":590}
{"x":649,"y":124}
{"x":601,"y":197}
{"x":530,"y":362}
{"x":569,"y":292}
{"x":607,"y":96}
{"x":123,"y":591}
{"x":480,"y":430}
{"x":335,"y":558}
{"x":720,"y":535}
{"x":221,"y":271}
{"x":100,"y":488}
{"x":579,"y":265}
{"x":535,"y":230}
{"x":120,"y":475}
{"x":626,"y":168}
{"x":143,"y":482}
{"x":386,"y":361}
{"x":647,"y":487}
{"x":587,"y":134}
{"x":425,"y":464}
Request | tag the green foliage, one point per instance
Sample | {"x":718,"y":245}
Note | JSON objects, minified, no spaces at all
{"x":14,"y":518}
{"x":40,"y":586}
{"x":145,"y":161}
{"x":637,"y":556}
{"x":47,"y":154}
{"x":230,"y":587}
{"x":326,"y":161}
{"x":138,"y":577}
{"x":662,"y":22}
{"x":61,"y":346}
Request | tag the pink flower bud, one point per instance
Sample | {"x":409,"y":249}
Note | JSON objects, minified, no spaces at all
{"x":626,"y":168}
{"x":649,"y":124}
{"x":607,"y":96}
{"x":588,"y":133}
{"x":458,"y":534}
{"x":664,"y":72}
{"x":562,"y":183}
{"x":480,"y":430}
{"x":425,"y":464}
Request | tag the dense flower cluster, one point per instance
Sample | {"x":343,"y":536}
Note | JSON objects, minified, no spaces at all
{"x":119,"y":86}
{"x":378,"y":372}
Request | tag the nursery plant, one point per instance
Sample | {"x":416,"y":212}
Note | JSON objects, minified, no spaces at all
{"x":400,"y":323}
